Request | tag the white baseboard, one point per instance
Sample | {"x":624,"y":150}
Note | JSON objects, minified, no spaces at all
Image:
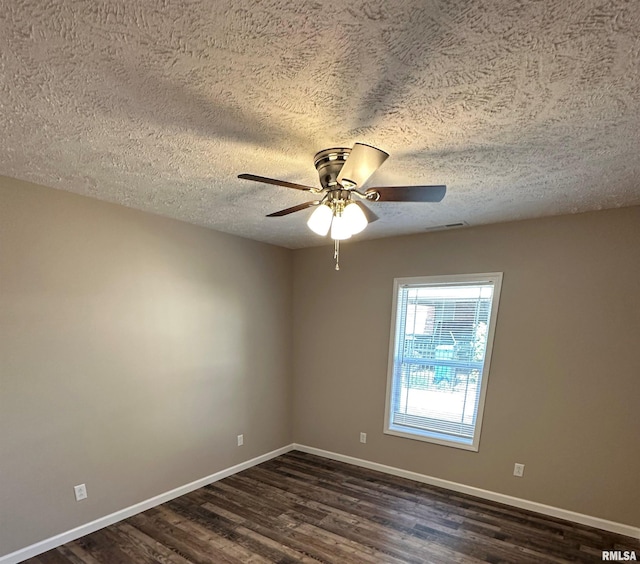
{"x":82,"y":530}
{"x":549,"y":510}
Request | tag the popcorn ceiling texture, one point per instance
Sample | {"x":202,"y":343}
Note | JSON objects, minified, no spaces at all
{"x":524,"y":108}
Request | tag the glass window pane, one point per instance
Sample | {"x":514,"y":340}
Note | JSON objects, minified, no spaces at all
{"x":441,"y":342}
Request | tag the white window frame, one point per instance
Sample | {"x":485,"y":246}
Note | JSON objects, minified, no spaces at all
{"x":428,"y":436}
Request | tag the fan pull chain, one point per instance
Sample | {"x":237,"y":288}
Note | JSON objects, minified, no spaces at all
{"x":336,"y":253}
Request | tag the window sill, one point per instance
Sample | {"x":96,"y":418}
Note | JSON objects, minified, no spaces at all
{"x":427,"y":437}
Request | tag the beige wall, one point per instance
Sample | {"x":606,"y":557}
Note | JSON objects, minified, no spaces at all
{"x":133,"y":350}
{"x":564,"y":390}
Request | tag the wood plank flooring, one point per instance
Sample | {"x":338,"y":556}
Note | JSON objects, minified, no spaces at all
{"x":302,"y":508}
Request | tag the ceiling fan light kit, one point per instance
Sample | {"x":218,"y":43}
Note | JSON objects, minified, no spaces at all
{"x":344,"y":219}
{"x":342,"y":171}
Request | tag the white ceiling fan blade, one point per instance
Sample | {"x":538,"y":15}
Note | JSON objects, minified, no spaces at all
{"x":362,"y":162}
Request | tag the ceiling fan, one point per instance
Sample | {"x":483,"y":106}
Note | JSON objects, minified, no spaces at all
{"x":341,"y":207}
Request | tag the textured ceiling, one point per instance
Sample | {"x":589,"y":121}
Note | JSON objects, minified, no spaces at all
{"x":524,"y":108}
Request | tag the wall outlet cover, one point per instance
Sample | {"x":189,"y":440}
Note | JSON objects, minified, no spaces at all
{"x":80,"y":492}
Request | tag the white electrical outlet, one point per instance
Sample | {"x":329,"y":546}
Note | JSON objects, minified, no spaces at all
{"x":518,"y":470}
{"x":240,"y":440}
{"x":363,"y":437}
{"x":80,"y":491}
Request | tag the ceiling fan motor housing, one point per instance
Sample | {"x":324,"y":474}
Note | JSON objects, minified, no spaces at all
{"x":328,"y":163}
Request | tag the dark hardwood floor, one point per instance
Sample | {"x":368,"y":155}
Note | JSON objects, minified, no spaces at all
{"x":302,"y":508}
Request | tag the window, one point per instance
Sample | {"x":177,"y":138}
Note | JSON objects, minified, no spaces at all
{"x":441,"y":336}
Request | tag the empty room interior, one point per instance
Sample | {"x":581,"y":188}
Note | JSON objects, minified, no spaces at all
{"x":319,"y":282}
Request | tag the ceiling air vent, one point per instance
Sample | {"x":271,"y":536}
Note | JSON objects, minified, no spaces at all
{"x":455,"y":225}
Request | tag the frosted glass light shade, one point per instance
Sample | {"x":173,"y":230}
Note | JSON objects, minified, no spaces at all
{"x":340,"y":228}
{"x":320,"y":220}
{"x":355,"y":218}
